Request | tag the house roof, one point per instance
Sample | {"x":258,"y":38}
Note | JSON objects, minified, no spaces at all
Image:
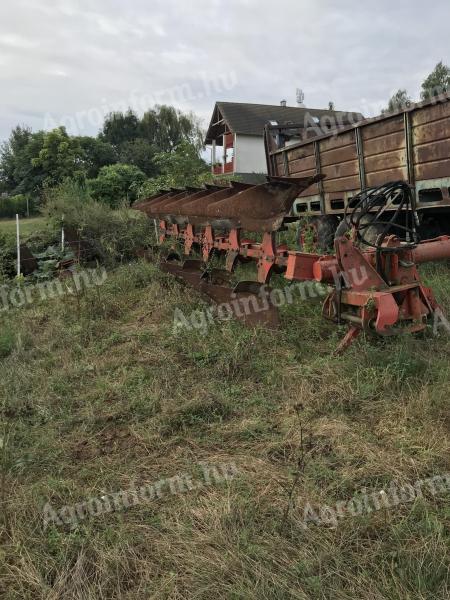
{"x":250,"y":119}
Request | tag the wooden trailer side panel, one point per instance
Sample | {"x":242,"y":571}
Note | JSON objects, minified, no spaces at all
{"x":339,"y":162}
{"x":430,"y":132}
{"x":302,"y":163}
{"x":412,"y":146}
{"x":384,"y":151}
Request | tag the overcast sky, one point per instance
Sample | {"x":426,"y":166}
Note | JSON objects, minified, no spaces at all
{"x":71,"y":61}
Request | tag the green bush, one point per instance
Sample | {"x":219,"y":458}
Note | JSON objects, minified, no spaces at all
{"x":116,"y":184}
{"x":111,"y":235}
{"x":179,"y":168}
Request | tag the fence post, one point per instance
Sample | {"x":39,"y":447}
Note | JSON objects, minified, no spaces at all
{"x":18,"y":245}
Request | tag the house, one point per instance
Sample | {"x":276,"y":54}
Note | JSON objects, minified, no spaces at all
{"x":236,"y":133}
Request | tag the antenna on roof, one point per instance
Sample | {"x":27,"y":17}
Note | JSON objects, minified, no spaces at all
{"x":300,"y":98}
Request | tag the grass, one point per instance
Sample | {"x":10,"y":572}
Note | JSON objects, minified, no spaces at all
{"x":98,"y":394}
{"x":27,"y":226}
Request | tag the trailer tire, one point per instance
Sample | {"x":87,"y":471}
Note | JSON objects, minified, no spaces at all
{"x":316,"y":233}
{"x":431,"y":227}
{"x":370,"y":234}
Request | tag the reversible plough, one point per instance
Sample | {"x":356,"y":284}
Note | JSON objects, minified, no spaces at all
{"x":373,"y":286}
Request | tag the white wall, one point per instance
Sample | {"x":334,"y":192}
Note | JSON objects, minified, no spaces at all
{"x":249,"y":154}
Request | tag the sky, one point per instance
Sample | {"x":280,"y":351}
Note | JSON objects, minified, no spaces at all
{"x":70,"y":62}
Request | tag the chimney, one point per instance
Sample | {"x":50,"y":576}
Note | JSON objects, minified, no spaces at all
{"x":283,"y":103}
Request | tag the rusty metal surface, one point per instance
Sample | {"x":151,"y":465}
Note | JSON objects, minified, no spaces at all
{"x":257,"y":208}
{"x":198,"y":205}
{"x":176,"y":212}
{"x":412,"y":145}
{"x":144,"y":205}
{"x":246,"y":306}
{"x":261,"y":208}
{"x":432,"y":250}
{"x":159,"y":206}
{"x":177,"y":207}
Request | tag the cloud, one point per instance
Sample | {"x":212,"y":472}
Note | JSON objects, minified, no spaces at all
{"x":12,"y":40}
{"x":66,"y":57}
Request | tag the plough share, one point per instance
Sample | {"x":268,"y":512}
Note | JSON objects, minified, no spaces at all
{"x":373,"y":287}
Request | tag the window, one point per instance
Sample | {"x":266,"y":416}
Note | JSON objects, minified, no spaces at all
{"x":300,"y":208}
{"x":337,"y":204}
{"x":431,"y":195}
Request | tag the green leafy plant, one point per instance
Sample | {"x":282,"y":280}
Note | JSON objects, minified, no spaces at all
{"x":117,"y":184}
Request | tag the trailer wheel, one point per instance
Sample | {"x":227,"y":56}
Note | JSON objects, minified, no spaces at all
{"x":370,"y":234}
{"x":316,"y":234}
{"x":431,"y":227}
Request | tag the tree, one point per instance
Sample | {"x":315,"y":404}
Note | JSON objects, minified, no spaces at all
{"x":18,"y":174}
{"x":437,"y":82}
{"x":399,"y":101}
{"x":183,"y":167}
{"x":165,"y":128}
{"x":18,"y":140}
{"x":96,"y":154}
{"x":120,"y":127}
{"x":161,"y":129}
{"x":140,"y":153}
{"x":116,"y":184}
{"x":61,"y":156}
{"x":29,"y":161}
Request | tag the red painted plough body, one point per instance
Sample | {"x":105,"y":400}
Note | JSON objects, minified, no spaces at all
{"x":374,"y":290}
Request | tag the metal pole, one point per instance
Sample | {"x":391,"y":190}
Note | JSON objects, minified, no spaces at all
{"x":18,"y":245}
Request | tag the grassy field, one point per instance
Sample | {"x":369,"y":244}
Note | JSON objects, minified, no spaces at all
{"x":27,"y":226}
{"x":99,"y":395}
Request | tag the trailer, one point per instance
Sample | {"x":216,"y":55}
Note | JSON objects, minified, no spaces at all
{"x":412,"y":145}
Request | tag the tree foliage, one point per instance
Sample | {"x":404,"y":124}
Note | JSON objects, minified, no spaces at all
{"x":120,"y":127}
{"x":180,"y":168}
{"x":140,"y":153}
{"x":96,"y":154}
{"x":61,"y":156}
{"x":165,"y":128}
{"x":127,"y":151}
{"x":117,"y":184}
{"x":399,"y":101}
{"x":437,"y":82}
{"x":18,"y":174}
{"x":161,"y":129}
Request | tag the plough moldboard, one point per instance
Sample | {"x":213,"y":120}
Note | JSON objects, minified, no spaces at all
{"x":376,"y":289}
